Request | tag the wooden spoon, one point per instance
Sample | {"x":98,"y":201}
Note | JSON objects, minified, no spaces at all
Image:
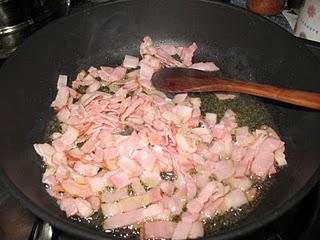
{"x":189,"y":80}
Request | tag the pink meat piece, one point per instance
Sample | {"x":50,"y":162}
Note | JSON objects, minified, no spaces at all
{"x":98,"y":183}
{"x":226,"y":96}
{"x":132,"y":203}
{"x":242,"y":183}
{"x":223,"y":169}
{"x":89,"y":170}
{"x":158,"y":230}
{"x":146,"y":158}
{"x":46,"y":151}
{"x":129,"y":166}
{"x":132,"y":84}
{"x":84,"y":208}
{"x":62,"y":81}
{"x":183,"y":113}
{"x":95,"y":203}
{"x":110,"y":153}
{"x":218,"y":131}
{"x":93,"y":87}
{"x":69,"y":136}
{"x":196,"y":231}
{"x":114,"y":196}
{"x":120,"y":179}
{"x":174,"y":204}
{"x":128,"y":146}
{"x":69,"y":206}
{"x":117,"y":74}
{"x":61,"y":99}
{"x":237,"y":153}
{"x":187,"y":54}
{"x":207,"y":191}
{"x":235,"y":199}
{"x":188,"y":217}
{"x":185,"y":144}
{"x":167,"y":59}
{"x":135,"y":216}
{"x":130,"y":61}
{"x":265,"y":156}
{"x":146,"y":71}
{"x":169,"y":48}
{"x":205,"y":66}
{"x":194,"y":206}
{"x":191,"y":187}
{"x":49,"y":180}
{"x":146,"y":45}
{"x":181,"y":231}
{"x":167,"y":188}
{"x":93,"y":71}
{"x":135,"y":102}
{"x":89,"y":145}
{"x":75,"y":189}
{"x":179,"y":98}
{"x":64,"y":114}
{"x":137,"y":186}
{"x":211,"y":207}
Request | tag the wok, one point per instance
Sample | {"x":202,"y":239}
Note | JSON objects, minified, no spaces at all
{"x":243,"y":44}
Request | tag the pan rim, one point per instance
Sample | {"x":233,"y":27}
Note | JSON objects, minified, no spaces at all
{"x":78,"y":230}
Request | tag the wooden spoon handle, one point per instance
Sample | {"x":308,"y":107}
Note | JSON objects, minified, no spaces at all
{"x":297,"y":97}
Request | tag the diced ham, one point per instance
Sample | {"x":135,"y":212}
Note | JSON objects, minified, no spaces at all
{"x":235,"y":199}
{"x":158,"y":230}
{"x":205,"y":66}
{"x":84,"y":207}
{"x":120,"y":179}
{"x":243,"y":183}
{"x":187,"y":54}
{"x":265,"y":156}
{"x":117,"y":74}
{"x":226,"y":96}
{"x":114,"y":196}
{"x":69,"y":206}
{"x":46,"y":151}
{"x":195,"y":206}
{"x":181,"y":231}
{"x":223,"y":169}
{"x":135,"y":216}
{"x":137,"y":186}
{"x":196,"y":230}
{"x":98,"y":183}
{"x":61,"y":99}
{"x":76,"y":189}
{"x":62,"y":81}
{"x":212,"y":206}
{"x":169,"y":48}
{"x":86,"y":169}
{"x":130,"y":61}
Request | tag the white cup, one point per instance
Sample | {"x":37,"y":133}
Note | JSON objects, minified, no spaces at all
{"x":308,"y":24}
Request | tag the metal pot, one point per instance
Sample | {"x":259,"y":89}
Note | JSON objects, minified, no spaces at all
{"x":18,"y":19}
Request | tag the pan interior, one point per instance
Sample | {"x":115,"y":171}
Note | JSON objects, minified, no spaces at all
{"x":242,"y":44}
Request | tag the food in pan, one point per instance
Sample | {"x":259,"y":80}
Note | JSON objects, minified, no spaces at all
{"x":146,"y":160}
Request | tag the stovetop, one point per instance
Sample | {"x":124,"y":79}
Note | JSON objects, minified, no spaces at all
{"x":302,"y":222}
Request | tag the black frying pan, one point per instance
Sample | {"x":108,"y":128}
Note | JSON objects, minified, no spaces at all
{"x":242,"y":44}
